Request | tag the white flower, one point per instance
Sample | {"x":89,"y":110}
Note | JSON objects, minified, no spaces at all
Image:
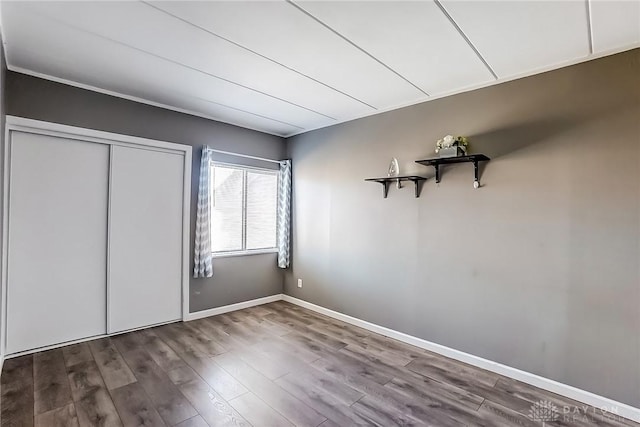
{"x":448,"y":140}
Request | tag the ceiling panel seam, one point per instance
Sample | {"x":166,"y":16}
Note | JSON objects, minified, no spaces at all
{"x":319,"y":21}
{"x":587,"y":4}
{"x":186,"y":66}
{"x":137,"y":99}
{"x":464,"y":36}
{"x":258,"y":54}
{"x":241,"y":110}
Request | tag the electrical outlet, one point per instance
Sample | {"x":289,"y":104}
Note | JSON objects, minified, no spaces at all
{"x":299,"y":283}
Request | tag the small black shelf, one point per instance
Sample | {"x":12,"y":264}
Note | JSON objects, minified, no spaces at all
{"x":398,"y":179}
{"x":472,"y":158}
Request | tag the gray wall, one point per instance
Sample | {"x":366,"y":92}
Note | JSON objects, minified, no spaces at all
{"x":235,"y":279}
{"x":538,"y":269}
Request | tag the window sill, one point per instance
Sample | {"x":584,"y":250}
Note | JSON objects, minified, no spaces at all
{"x":243,"y":253}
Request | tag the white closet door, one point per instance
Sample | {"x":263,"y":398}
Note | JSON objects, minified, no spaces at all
{"x":145,"y":249}
{"x":57,"y":240}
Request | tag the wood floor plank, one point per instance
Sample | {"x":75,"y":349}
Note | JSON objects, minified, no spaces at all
{"x":308,"y":344}
{"x":273,"y":328}
{"x":381,"y":415}
{"x":129,"y":341}
{"x":213,"y":375}
{"x":439,"y":395}
{"x":262,"y":326}
{"x":382,"y":353}
{"x":161,"y":353}
{"x":93,"y":403}
{"x":166,"y":397}
{"x":493,"y":414}
{"x":115,"y":372}
{"x":281,"y":356}
{"x":278,"y":344}
{"x":76,"y":353}
{"x":390,"y":345}
{"x":286,"y":404}
{"x":357,"y":366}
{"x":444,"y":403}
{"x":453,"y":372}
{"x":314,"y":378}
{"x":219,"y":379}
{"x":433,"y":391}
{"x":385,"y":397}
{"x":51,"y":387}
{"x":531,"y":394}
{"x":302,"y":328}
{"x":325,"y":324}
{"x":190,"y":337}
{"x":262,"y":362}
{"x":324,"y":403}
{"x":236,"y":330}
{"x":214,"y":409}
{"x":182,"y":375}
{"x":261,"y":310}
{"x":196,"y":421}
{"x":18,"y":369}
{"x":257,"y":412}
{"x":135,"y":407}
{"x":64,"y":416}
{"x":216,"y":332}
{"x":17,"y":400}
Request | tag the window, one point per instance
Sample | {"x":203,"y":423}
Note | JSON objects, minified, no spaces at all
{"x":243,"y":209}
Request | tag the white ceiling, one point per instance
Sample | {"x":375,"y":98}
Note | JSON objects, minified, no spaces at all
{"x":286,"y":67}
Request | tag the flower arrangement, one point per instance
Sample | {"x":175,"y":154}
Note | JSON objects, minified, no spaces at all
{"x":450,"y":141}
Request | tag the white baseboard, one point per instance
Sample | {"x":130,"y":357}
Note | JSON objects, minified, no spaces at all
{"x":232,"y":307}
{"x":592,"y":399}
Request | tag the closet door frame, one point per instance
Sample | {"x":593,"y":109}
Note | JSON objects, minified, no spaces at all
{"x":21,"y":124}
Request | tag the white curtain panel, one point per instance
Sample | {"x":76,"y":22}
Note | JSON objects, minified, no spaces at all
{"x":284,"y":213}
{"x":202,"y":258}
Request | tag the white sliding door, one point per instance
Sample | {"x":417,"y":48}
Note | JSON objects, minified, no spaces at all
{"x":146,"y":237}
{"x":57,"y":240}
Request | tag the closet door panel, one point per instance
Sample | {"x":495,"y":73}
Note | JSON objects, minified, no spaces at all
{"x":145,"y":244}
{"x":57,"y":240}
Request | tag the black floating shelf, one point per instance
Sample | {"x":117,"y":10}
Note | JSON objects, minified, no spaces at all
{"x":472,"y":158}
{"x":398,"y":179}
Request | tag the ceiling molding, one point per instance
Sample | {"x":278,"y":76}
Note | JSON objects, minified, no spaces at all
{"x":132,"y":98}
{"x":484,"y":85}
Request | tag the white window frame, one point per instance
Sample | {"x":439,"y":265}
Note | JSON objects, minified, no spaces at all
{"x":244,"y":251}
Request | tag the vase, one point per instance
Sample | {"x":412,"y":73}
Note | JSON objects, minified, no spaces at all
{"x":394,"y":169}
{"x":451,"y":152}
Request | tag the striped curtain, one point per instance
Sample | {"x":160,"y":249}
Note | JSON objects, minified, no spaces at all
{"x":284,"y":213}
{"x":202,"y":259}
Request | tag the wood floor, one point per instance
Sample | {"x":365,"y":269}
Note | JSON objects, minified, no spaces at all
{"x":272,"y":365}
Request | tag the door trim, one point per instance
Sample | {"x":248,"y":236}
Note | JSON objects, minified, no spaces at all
{"x":21,"y":124}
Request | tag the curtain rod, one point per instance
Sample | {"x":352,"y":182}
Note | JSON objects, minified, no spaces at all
{"x":245,"y":155}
